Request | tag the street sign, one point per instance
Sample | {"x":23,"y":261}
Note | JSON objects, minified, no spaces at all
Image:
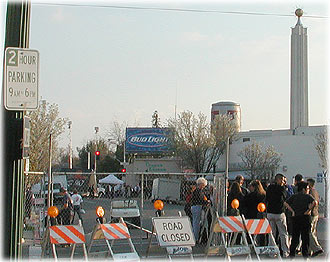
{"x":21,"y":79}
{"x":173,"y":231}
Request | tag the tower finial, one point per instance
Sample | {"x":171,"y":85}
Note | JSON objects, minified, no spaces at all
{"x":299,"y":12}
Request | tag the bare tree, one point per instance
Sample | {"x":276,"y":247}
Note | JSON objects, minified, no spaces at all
{"x":116,"y":133}
{"x":222,"y":128}
{"x":196,"y":142}
{"x":321,"y":146}
{"x":44,"y":121}
{"x":258,"y":163}
{"x":117,"y":136}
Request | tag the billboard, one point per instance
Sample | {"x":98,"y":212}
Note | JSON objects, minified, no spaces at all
{"x":147,"y":140}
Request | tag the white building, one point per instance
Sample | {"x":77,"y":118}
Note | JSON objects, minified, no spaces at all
{"x":297,"y":150}
{"x":297,"y":144}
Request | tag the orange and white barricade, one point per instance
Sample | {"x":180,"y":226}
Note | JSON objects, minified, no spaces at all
{"x":257,"y":227}
{"x":224,"y":231}
{"x":116,"y":231}
{"x":69,"y":235}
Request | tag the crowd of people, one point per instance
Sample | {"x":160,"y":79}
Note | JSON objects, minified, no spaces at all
{"x":292,"y":210}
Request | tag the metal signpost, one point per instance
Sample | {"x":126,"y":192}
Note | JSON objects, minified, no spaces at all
{"x":21,"y":79}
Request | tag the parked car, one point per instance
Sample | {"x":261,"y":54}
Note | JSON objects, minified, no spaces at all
{"x":127,"y":209}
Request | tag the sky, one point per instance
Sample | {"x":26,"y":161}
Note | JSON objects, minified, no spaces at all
{"x":109,"y":63}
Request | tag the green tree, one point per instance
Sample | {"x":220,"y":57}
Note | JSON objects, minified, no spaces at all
{"x":44,"y":121}
{"x":106,"y":162}
{"x":259,"y":163}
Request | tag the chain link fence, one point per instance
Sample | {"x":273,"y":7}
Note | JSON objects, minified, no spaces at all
{"x":127,"y":195}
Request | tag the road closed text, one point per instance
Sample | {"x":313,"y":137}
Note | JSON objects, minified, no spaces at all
{"x":173,"y":233}
{"x":175,"y":237}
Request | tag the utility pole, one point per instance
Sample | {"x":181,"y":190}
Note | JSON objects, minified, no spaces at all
{"x":70,"y":146}
{"x":17,"y":35}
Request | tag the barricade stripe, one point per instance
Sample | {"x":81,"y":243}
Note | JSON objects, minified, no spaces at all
{"x":249,"y":225}
{"x":238,"y":222}
{"x":125,"y":233}
{"x":66,"y":230}
{"x":259,"y":226}
{"x":76,"y":232}
{"x":226,"y":223}
{"x":267,"y":228}
{"x":53,"y":240}
{"x":108,"y":231}
{"x":56,"y":230}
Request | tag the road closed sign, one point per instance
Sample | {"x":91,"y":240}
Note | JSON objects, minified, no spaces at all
{"x":173,"y":231}
{"x":21,"y":79}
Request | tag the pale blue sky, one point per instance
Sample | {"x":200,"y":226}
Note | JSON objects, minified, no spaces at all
{"x":108,"y":64}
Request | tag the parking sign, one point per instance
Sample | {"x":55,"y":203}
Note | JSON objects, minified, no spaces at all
{"x":21,"y":79}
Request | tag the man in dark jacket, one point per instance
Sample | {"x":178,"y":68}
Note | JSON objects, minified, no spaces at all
{"x":275,"y":197}
{"x":301,"y":205}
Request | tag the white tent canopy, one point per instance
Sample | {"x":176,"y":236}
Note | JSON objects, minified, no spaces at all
{"x":111,"y":179}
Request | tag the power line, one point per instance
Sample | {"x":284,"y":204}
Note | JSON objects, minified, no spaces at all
{"x":177,"y":10}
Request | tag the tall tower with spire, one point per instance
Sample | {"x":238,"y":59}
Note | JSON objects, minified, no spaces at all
{"x":299,"y":78}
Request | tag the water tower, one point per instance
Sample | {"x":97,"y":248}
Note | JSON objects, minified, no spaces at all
{"x":227,"y":108}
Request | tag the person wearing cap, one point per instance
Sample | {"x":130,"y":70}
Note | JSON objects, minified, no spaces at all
{"x":65,"y":214}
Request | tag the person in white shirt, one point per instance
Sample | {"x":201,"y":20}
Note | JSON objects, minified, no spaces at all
{"x":77,"y":200}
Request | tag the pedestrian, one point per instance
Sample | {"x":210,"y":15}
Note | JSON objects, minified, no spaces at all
{"x":314,"y":245}
{"x":251,"y":200}
{"x":66,"y":208}
{"x":275,"y":198}
{"x":187,"y":206}
{"x":198,"y":200}
{"x":297,"y":179}
{"x":291,"y":190}
{"x":77,"y":202}
{"x":240,"y":180}
{"x":301,"y":205}
{"x":235,"y":192}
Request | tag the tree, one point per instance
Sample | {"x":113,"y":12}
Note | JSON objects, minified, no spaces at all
{"x":258,"y":163}
{"x":199,"y":145}
{"x":107,"y":161}
{"x":116,"y":135}
{"x":321,"y":146}
{"x":222,"y":128}
{"x":44,"y":121}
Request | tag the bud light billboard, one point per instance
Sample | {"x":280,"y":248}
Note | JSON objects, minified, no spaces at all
{"x":144,"y":140}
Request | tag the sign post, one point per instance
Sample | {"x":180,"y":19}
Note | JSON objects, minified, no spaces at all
{"x":26,"y":137}
{"x":21,"y":79}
